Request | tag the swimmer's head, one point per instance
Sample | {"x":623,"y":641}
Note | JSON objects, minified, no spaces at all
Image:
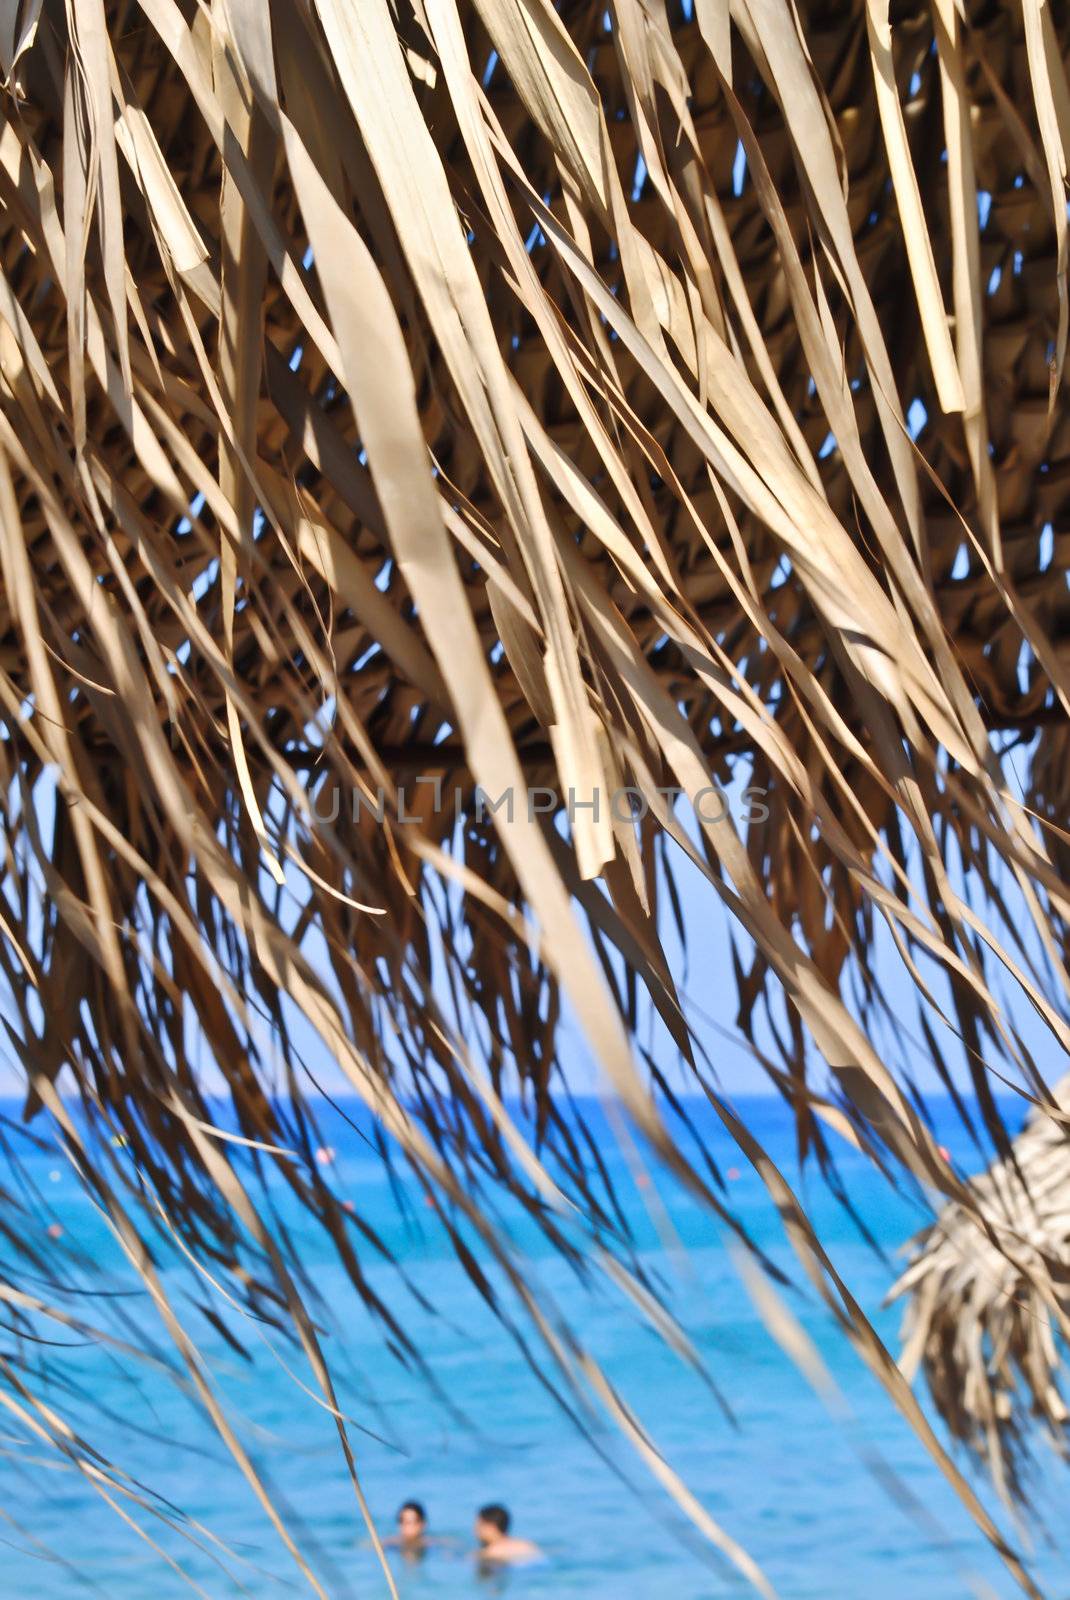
{"x":492,"y":1523}
{"x":412,"y":1520}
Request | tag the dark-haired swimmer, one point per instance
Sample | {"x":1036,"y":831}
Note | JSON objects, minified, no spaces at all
{"x":497,"y":1547}
{"x":411,"y":1538}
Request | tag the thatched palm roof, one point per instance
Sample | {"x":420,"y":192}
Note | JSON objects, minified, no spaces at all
{"x":522,"y":396}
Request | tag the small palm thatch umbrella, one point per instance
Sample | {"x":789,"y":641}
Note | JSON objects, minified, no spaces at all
{"x":988,"y":1301}
{"x":411,"y":408}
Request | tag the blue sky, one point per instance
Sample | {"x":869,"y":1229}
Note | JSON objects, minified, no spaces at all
{"x":706,"y":981}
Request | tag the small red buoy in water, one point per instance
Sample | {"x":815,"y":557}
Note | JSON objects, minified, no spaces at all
{"x":732,"y":1174}
{"x":944,"y":1151}
{"x":325,"y":1155}
{"x":55,"y":1231}
{"x":429,"y":1200}
{"x":347,"y":1205}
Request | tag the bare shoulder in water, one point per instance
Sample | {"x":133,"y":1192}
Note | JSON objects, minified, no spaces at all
{"x":496,"y":1546}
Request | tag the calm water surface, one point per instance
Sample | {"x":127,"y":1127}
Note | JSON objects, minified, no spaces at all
{"x":784,"y":1479}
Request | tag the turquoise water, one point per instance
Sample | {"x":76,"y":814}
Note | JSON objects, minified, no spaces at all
{"x":784,"y":1479}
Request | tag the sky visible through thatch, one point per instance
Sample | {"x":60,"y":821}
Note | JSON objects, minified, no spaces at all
{"x":706,"y":981}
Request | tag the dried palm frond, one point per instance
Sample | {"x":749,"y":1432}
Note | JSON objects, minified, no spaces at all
{"x":405,"y":406}
{"x":988,"y":1303}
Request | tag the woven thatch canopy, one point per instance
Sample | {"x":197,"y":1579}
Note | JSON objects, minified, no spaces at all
{"x":523,"y":395}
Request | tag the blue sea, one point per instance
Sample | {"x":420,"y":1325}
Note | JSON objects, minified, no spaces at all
{"x":805,"y":1493}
